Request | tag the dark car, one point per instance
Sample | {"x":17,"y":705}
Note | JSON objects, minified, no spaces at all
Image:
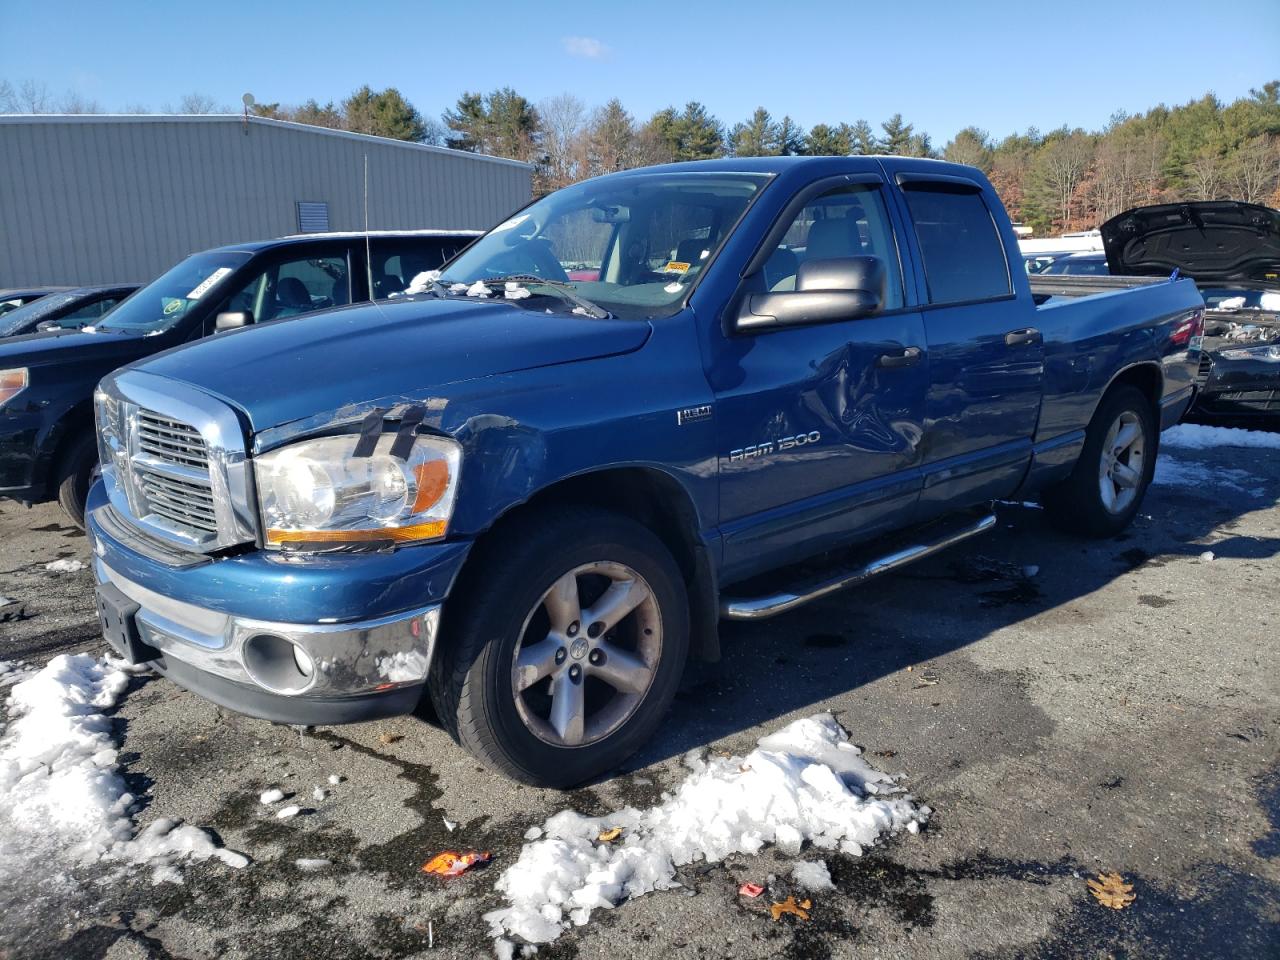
{"x":1232,"y":250}
{"x":1088,"y":264}
{"x":64,"y":310}
{"x":47,"y":449}
{"x":15,"y":297}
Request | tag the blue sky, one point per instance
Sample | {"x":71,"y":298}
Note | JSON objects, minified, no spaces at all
{"x":943,"y":65}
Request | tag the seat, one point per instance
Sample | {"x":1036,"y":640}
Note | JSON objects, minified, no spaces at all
{"x":292,"y":297}
{"x":834,"y":237}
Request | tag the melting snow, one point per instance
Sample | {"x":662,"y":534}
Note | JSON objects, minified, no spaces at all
{"x":60,"y":794}
{"x":514,"y":291}
{"x":478,"y":289}
{"x":813,"y":875}
{"x":421,"y":283}
{"x":1197,"y":436}
{"x":64,"y":566}
{"x":286,"y":813}
{"x":806,"y":782}
{"x":1189,"y":473}
{"x":273,"y":795}
{"x":311,"y":864}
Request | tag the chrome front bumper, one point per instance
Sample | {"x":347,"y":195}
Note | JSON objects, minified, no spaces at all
{"x":319,"y":662}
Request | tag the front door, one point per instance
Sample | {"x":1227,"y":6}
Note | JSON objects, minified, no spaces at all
{"x":819,"y":426}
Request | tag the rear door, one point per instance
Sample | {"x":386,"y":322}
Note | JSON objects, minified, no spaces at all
{"x":986,"y":360}
{"x":819,"y":426}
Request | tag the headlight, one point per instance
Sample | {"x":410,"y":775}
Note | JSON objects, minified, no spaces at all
{"x":12,"y":383}
{"x":1268,"y":351}
{"x":317,"y":492}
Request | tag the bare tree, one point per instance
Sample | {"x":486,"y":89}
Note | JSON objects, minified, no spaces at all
{"x":76,"y":103}
{"x":30,"y":96}
{"x":1059,"y":169}
{"x":1206,"y":173}
{"x":563,"y":120}
{"x":1255,"y":169}
{"x":198,"y":103}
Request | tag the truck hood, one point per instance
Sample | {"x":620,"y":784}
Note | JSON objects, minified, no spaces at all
{"x":309,"y":366}
{"x":1207,"y":241}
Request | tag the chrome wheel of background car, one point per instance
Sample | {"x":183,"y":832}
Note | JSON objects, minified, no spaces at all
{"x":587,"y":654}
{"x":1120,"y":470}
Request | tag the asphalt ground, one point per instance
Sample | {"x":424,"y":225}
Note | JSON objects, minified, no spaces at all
{"x":1118,"y":710}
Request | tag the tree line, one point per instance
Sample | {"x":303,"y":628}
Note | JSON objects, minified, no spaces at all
{"x":1063,"y":179}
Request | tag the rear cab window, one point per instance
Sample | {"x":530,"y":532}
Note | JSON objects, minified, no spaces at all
{"x":394,"y":262}
{"x":963,"y":256}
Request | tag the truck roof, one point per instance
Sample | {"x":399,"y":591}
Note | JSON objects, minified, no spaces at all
{"x":778,"y":164}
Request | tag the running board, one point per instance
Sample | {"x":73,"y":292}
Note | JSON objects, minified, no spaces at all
{"x":760,"y":608}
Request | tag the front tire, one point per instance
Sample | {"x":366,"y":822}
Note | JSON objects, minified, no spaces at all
{"x":75,"y":476}
{"x":1107,"y":486}
{"x":562,"y":650}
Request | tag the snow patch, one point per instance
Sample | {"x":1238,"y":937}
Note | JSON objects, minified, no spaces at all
{"x":478,"y":289}
{"x":1197,"y":436}
{"x":64,"y":566}
{"x":312,"y":864}
{"x":814,"y":875}
{"x":289,"y":812}
{"x":1189,"y":473}
{"x":515,"y":291}
{"x":61,"y":797}
{"x":806,"y":782}
{"x":274,"y":795}
{"x":421,"y":283}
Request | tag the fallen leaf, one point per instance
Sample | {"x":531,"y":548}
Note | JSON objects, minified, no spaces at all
{"x":789,"y":905}
{"x":751,"y":890}
{"x":610,"y":835}
{"x":1110,"y":890}
{"x":450,"y":864}
{"x":389,"y":738}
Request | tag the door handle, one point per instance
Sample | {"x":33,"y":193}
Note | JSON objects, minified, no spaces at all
{"x":1016,"y":338}
{"x":908,"y":357}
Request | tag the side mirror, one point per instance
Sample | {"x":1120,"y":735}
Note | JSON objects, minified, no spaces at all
{"x":839,"y":288}
{"x":232,"y":320}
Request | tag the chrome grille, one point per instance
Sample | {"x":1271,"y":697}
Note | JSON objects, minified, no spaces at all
{"x":171,"y":441}
{"x":171,"y":474}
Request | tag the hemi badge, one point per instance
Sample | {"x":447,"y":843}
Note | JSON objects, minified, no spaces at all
{"x":693,"y":414}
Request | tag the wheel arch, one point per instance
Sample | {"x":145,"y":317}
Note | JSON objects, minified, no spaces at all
{"x":1146,"y":376}
{"x":661,"y":503}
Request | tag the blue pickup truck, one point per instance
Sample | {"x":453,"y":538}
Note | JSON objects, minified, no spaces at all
{"x":530,"y":497}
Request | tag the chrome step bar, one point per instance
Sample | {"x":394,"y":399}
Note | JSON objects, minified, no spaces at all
{"x":760,"y":608}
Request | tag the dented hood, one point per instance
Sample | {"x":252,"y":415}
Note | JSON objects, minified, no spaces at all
{"x":295,"y":369}
{"x":1210,"y":240}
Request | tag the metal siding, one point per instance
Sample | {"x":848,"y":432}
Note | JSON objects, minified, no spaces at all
{"x":117,"y":199}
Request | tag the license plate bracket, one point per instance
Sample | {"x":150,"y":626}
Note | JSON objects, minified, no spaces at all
{"x":117,"y":615}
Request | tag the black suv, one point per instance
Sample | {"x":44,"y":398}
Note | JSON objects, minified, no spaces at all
{"x":47,"y":446}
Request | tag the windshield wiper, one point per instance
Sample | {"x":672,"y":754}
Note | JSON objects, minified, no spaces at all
{"x":561,"y":288}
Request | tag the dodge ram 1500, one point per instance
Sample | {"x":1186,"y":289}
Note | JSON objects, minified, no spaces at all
{"x":530,"y":497}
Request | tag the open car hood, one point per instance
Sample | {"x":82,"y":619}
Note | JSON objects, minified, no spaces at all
{"x":1205,"y":240}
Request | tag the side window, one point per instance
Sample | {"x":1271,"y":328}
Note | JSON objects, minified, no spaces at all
{"x":294,"y":287}
{"x":849,"y":221}
{"x":963,"y":257}
{"x":395,"y":263}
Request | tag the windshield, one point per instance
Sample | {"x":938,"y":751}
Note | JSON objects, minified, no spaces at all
{"x":15,"y":321}
{"x":1088,"y":266}
{"x":630,"y":245}
{"x":166,"y":300}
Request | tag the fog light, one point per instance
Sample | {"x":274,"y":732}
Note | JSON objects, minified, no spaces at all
{"x":277,"y":664}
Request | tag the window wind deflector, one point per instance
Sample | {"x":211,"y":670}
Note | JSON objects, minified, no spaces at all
{"x":938,"y":181}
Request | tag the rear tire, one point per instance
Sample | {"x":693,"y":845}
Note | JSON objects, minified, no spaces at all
{"x":538,"y":672}
{"x":1107,"y":486}
{"x":75,"y":475}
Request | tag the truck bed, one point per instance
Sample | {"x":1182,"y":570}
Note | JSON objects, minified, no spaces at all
{"x":1044,"y":288}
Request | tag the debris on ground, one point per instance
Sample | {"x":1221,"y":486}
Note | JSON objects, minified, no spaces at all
{"x":65,"y":566}
{"x":451,"y":864}
{"x":318,"y":794}
{"x":286,"y":813}
{"x":751,"y":890}
{"x":450,"y":825}
{"x":389,"y":738}
{"x":1207,"y":556}
{"x":334,"y":779}
{"x":813,"y":875}
{"x":798,"y":910}
{"x":806,"y":783}
{"x":268,"y":797}
{"x":610,"y":835}
{"x":1110,"y":890}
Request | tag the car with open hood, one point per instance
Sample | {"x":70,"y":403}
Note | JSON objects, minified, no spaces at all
{"x":1232,"y":250}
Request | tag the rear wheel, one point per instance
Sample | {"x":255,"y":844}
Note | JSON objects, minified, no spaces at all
{"x":75,"y":474}
{"x":561,"y":652}
{"x":1105,"y":490}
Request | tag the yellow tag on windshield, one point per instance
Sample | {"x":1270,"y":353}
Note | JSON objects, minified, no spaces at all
{"x":676,"y":266}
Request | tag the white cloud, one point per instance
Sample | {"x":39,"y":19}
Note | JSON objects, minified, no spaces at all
{"x":588,"y":48}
